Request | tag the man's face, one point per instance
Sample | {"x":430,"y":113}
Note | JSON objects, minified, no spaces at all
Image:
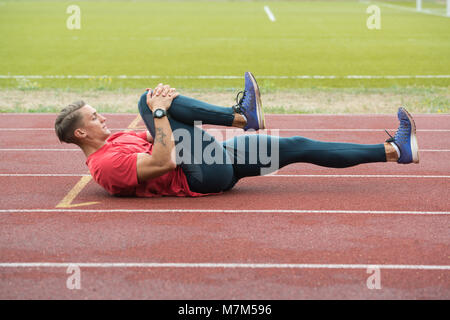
{"x":93,"y":124}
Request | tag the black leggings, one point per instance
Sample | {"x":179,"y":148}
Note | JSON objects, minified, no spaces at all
{"x":211,"y":166}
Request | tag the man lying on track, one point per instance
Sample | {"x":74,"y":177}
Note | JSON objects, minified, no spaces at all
{"x":176,"y":158}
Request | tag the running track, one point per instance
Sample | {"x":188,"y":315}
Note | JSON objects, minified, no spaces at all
{"x":305,"y":233}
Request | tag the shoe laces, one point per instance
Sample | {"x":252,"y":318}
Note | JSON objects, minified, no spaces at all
{"x":238,"y":107}
{"x":402,"y":133}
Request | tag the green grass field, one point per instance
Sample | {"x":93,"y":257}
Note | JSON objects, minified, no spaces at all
{"x":177,"y":42}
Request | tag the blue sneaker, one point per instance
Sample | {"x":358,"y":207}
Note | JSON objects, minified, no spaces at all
{"x":250,"y":104}
{"x":405,"y":138}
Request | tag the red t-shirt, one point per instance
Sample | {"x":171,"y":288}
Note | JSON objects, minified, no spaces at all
{"x":113,"y":166}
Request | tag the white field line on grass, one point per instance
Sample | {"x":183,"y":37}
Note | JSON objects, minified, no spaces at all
{"x":225,"y":77}
{"x":423,"y":11}
{"x":388,"y":176}
{"x":271,"y":211}
{"x":203,"y":265}
{"x":269,"y":13}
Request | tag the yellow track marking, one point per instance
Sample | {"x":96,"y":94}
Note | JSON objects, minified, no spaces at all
{"x":66,"y":202}
{"x":133,"y":124}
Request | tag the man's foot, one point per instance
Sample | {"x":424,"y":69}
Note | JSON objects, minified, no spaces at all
{"x":249,"y":105}
{"x":405,"y":138}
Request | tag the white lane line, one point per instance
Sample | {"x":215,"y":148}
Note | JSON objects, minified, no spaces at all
{"x":314,"y":115}
{"x":43,"y":175}
{"x":222,"y":211}
{"x":389,"y":176}
{"x":435,"y":150}
{"x":357,"y":176}
{"x":323,"y":130}
{"x":27,"y":129}
{"x":270,"y":115}
{"x":225,"y":77}
{"x":35,"y":149}
{"x":202,"y":265}
{"x":343,"y":130}
{"x":269,"y":13}
{"x":54,"y":114}
{"x":239,"y":130}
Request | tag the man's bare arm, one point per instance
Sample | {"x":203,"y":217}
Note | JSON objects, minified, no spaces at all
{"x":149,"y":137}
{"x":161,"y":160}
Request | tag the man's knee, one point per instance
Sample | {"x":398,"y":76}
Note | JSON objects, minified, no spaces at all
{"x":209,"y":178}
{"x":146,"y":114}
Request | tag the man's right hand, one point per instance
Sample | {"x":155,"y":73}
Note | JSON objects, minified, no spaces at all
{"x":161,"y":97}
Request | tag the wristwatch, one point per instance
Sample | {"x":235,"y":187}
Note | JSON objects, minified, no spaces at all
{"x":159,"y":113}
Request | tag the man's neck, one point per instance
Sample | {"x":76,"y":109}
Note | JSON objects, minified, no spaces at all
{"x":91,"y":146}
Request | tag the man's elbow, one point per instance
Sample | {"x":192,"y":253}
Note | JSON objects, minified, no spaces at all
{"x":171,"y":165}
{"x":149,"y":168}
{"x":166,"y":166}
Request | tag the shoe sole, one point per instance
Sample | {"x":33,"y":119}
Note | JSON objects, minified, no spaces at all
{"x":259,"y":109}
{"x":414,"y":143}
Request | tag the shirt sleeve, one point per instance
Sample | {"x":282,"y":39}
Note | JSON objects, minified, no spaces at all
{"x":142,"y":134}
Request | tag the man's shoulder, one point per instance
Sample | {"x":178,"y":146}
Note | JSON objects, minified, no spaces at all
{"x":126,"y":133}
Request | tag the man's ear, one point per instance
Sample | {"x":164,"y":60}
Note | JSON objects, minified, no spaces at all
{"x":79,"y":133}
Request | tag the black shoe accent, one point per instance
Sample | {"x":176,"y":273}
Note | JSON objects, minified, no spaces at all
{"x":391,"y":139}
{"x":238,"y":106}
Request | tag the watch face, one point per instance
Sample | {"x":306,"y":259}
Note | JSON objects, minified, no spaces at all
{"x":159,"y":113}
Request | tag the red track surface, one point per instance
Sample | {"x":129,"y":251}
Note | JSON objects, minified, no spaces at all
{"x":383,"y":220}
